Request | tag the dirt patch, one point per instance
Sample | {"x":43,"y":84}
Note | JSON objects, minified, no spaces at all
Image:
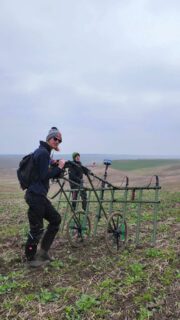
{"x":90,"y":283}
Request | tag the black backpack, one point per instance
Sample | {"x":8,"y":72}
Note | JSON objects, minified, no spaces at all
{"x":26,"y":172}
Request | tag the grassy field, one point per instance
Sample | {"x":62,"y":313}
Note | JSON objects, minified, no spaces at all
{"x":143,"y":164}
{"x":89,"y":283}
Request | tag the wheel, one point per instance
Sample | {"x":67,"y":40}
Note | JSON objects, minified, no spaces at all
{"x":78,"y":229}
{"x":116,"y":233}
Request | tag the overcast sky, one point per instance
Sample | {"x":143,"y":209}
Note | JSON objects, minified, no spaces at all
{"x":105,"y":72}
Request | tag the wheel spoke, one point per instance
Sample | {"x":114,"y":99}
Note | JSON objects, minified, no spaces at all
{"x":78,"y":229}
{"x":116,"y":234}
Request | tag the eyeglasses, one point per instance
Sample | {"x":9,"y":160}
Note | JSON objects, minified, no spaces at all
{"x":56,"y":139}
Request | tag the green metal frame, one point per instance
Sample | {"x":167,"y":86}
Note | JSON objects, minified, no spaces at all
{"x":129,"y":195}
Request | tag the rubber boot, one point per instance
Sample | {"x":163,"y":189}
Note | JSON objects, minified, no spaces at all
{"x":43,"y":255}
{"x":37,"y":263}
{"x":41,"y":258}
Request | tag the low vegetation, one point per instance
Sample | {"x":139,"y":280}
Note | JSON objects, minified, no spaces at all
{"x":141,"y":164}
{"x":89,"y":283}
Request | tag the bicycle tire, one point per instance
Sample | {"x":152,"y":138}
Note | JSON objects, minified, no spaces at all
{"x":116,"y":233}
{"x":78,"y":229}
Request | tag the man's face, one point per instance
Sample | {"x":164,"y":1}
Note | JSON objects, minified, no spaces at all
{"x":77,"y":158}
{"x":54,"y":142}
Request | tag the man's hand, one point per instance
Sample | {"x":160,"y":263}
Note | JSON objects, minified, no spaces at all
{"x":85,"y":170}
{"x":61,"y":163}
{"x":54,"y":163}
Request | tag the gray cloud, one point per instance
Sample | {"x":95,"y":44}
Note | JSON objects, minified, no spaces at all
{"x":105,"y":72}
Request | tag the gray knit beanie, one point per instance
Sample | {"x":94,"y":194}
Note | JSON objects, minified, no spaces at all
{"x":54,"y":132}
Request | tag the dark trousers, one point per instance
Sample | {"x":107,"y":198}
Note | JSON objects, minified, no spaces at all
{"x":40,"y":208}
{"x":83,"y":196}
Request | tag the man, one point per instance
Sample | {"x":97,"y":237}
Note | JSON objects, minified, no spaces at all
{"x":39,"y":206}
{"x":76,"y":175}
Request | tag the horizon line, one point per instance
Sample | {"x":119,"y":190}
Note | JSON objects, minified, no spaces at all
{"x":113,"y":154}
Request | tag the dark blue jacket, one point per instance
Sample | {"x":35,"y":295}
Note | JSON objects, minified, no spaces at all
{"x":44,"y":171}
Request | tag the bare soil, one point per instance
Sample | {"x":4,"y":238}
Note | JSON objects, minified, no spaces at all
{"x":90,"y":283}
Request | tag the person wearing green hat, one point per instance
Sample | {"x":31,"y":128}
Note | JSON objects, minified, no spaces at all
{"x":76,"y":182}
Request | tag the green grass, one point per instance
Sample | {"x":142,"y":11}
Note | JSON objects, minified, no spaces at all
{"x":142,"y":164}
{"x":90,"y":283}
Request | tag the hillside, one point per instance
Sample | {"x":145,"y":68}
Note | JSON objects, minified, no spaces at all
{"x":169,"y":174}
{"x":139,"y":283}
